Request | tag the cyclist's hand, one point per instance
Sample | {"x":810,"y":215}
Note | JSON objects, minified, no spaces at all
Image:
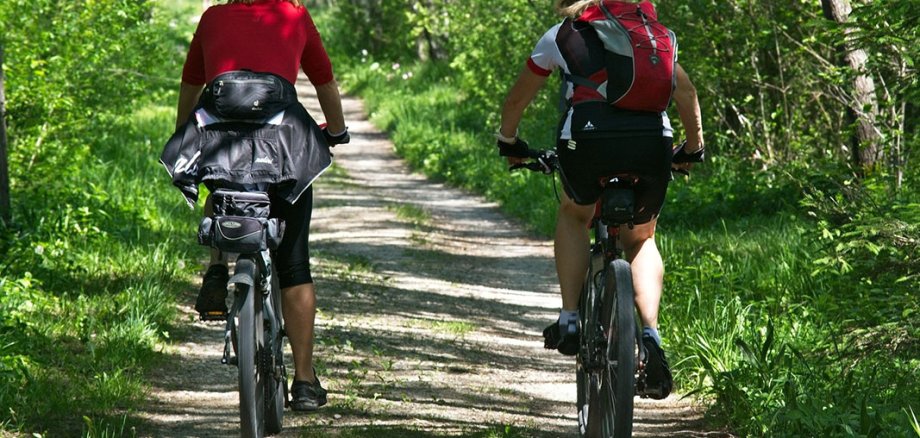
{"x":332,"y":140}
{"x":519,"y":149}
{"x":682,"y":161}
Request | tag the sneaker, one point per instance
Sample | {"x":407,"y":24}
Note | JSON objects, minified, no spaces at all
{"x":212,"y":298}
{"x":658,"y":379}
{"x":307,"y":396}
{"x":563,"y":339}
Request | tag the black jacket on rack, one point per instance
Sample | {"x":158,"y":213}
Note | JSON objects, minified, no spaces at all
{"x":282,"y":154}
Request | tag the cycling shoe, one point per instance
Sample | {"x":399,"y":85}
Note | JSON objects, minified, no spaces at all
{"x":563,"y":339}
{"x":212,"y":297}
{"x":658,"y":380}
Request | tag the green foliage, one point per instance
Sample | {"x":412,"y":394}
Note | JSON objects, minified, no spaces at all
{"x":870,"y":248}
{"x":70,"y":66}
{"x":96,"y":253}
{"x":779,"y":351}
{"x":466,"y":35}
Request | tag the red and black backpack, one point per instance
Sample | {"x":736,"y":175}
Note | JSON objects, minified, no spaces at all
{"x":639,"y":56}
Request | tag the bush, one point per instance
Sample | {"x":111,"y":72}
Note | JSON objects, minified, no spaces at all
{"x":93,"y":259}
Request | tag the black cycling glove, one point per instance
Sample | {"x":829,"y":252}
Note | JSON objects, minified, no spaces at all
{"x":519,"y":149}
{"x":681,"y":156}
{"x":333,"y":140}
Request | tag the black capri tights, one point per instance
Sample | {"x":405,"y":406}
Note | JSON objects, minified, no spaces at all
{"x":585,"y":161}
{"x":292,"y":258}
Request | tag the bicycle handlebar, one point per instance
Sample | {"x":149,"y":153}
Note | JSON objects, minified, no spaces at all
{"x":547,"y":162}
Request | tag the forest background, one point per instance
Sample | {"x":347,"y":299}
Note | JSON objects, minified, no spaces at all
{"x":792,"y":281}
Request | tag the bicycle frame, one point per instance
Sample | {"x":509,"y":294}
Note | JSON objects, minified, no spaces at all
{"x":253,"y":339}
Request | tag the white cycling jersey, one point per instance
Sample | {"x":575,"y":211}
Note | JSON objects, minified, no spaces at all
{"x":569,"y":37}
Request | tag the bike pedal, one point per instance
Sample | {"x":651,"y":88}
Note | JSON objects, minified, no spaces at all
{"x":233,"y":360}
{"x":218,"y":315}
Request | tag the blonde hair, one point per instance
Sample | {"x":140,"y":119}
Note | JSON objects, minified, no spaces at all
{"x":574,"y":8}
{"x":249,"y":2}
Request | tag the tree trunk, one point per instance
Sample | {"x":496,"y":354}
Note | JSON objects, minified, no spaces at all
{"x":864,"y":107}
{"x":4,"y":175}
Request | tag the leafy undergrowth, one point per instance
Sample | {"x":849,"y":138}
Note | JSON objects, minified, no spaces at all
{"x":99,"y":243}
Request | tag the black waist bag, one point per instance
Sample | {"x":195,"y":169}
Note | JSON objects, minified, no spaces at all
{"x":240,"y":224}
{"x":247,"y":95}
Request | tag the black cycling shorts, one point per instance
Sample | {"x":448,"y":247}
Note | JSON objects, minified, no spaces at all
{"x":588,"y":160}
{"x":292,"y":258}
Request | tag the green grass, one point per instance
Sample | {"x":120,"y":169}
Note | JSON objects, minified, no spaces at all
{"x":347,"y":267}
{"x":412,"y":214}
{"x":94,"y":261}
{"x":456,"y":328}
{"x":89,"y":295}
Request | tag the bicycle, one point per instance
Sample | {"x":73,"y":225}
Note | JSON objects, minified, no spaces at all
{"x":254,"y":330}
{"x":610,"y":358}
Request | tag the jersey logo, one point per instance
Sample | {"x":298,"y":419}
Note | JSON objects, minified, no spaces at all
{"x":588,"y":126}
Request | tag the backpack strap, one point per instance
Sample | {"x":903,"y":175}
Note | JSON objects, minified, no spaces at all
{"x":582,"y":81}
{"x":564,"y":103}
{"x":606,"y":12}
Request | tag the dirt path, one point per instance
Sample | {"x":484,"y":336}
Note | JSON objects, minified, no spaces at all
{"x":431,"y":307}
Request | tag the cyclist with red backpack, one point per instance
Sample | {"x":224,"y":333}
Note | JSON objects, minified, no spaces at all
{"x":620,"y":73}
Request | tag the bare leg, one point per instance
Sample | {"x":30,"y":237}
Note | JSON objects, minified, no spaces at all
{"x":572,"y":243}
{"x":299,"y":309}
{"x":647,"y":269}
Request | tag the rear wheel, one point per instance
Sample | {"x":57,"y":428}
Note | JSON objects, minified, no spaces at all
{"x":618,"y":377}
{"x":251,"y":339}
{"x":274,"y":372}
{"x":586,"y":376}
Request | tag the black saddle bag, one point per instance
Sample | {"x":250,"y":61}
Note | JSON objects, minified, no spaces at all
{"x":247,"y":95}
{"x":241,"y":223}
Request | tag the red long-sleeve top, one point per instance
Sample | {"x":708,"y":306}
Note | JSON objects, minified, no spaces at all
{"x":272,"y":36}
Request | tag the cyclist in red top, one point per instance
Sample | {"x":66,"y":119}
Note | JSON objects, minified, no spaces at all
{"x":596,"y":139}
{"x":278,"y":37}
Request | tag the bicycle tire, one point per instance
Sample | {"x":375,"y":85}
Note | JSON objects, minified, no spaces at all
{"x":251,"y":339}
{"x":618,"y":380}
{"x":274,"y":371}
{"x":586,"y":378}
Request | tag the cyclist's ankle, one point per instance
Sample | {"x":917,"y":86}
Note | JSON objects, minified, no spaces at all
{"x":568,"y":315}
{"x":652,"y":333}
{"x":568,"y":318}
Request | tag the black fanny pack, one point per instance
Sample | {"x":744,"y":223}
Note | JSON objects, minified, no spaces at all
{"x":247,"y":95}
